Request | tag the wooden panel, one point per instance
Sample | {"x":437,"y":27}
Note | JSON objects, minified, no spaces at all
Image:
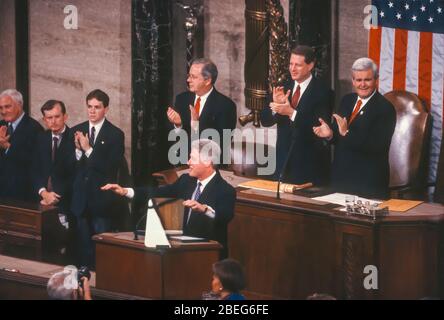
{"x":128,"y":271}
{"x":188,"y":274}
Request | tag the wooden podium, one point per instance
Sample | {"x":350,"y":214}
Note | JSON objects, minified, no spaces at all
{"x":32,"y":231}
{"x":125,"y":265}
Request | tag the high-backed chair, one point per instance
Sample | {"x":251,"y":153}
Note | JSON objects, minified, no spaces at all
{"x":244,"y":160}
{"x":410,"y":146}
{"x":439,"y":186}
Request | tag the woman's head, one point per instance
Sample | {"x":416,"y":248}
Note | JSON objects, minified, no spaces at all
{"x":228,"y":277}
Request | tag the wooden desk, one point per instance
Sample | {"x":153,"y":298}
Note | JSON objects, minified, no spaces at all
{"x":181,"y":272}
{"x":32,"y":232}
{"x":292,"y":249}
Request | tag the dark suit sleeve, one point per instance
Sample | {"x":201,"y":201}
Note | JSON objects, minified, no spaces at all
{"x":227,"y":119}
{"x":267,"y":117}
{"x":225,"y":206}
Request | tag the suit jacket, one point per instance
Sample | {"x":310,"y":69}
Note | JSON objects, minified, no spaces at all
{"x":61,"y":171}
{"x":361,"y":163}
{"x":218,"y":194}
{"x":16,"y":164}
{"x":310,"y":159}
{"x":99,"y":169}
{"x":219,"y":113}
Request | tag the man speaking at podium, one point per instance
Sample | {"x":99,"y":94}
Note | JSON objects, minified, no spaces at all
{"x":208,"y":198}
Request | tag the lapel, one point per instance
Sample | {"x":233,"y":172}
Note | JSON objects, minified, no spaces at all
{"x":364,"y":110}
{"x":303,"y":100}
{"x":63,"y":144}
{"x":209,"y":189}
{"x":100,"y":140}
{"x":20,"y":128}
{"x":209,"y":104}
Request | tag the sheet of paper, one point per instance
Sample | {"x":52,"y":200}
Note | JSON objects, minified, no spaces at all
{"x":339,"y":198}
{"x":186,"y":238}
{"x":399,"y":205}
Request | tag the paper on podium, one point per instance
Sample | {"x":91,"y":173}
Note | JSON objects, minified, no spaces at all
{"x":154,"y":232}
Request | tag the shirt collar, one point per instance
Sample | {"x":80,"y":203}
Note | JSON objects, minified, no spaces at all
{"x":59,"y":136}
{"x":16,"y":122}
{"x":304,"y":84}
{"x":364,"y":101}
{"x":97,"y":126}
{"x":207,"y":180}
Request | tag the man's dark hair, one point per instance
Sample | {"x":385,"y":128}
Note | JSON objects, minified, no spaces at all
{"x":99,"y":95}
{"x":230,"y":274}
{"x":307,"y":52}
{"x":209,"y":69}
{"x":50,"y":104}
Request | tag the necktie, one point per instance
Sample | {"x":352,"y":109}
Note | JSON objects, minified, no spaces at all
{"x":295,"y":98}
{"x":92,"y":136}
{"x":196,"y":197}
{"x":10,"y":130}
{"x":197,"y":106}
{"x":355,"y":111}
{"x":55,"y":144}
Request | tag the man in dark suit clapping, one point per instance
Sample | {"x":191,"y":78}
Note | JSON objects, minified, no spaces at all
{"x":18,"y":133}
{"x":295,"y":109}
{"x":203,"y":107}
{"x":362,"y":132}
{"x":99,"y":153}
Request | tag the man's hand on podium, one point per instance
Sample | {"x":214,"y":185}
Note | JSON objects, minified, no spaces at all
{"x":195,"y":206}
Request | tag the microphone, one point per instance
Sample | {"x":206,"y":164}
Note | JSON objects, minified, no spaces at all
{"x":155,"y":206}
{"x":294,"y":136}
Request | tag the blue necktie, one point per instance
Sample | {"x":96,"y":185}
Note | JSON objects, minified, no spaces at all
{"x":196,"y":197}
{"x":92,"y":137}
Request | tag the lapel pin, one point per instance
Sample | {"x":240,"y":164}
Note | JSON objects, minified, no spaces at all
{"x":103,"y":142}
{"x":361,"y":113}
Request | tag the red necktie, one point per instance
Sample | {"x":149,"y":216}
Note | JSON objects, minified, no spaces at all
{"x":355,"y":111}
{"x":295,"y":98}
{"x":197,"y":106}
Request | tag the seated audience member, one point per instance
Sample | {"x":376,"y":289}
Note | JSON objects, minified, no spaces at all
{"x":64,"y":286}
{"x":209,"y":199}
{"x":228,"y":280}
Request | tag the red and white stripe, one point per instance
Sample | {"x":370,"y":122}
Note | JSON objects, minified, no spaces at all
{"x":413,"y":61}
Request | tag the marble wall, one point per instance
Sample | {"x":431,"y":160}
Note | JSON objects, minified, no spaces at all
{"x":352,"y":42}
{"x":7,"y":45}
{"x":68,"y":64}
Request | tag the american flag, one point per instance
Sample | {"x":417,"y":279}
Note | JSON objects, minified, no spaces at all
{"x":408,"y":46}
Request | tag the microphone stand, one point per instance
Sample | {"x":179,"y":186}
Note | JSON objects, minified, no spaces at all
{"x":284,"y":167}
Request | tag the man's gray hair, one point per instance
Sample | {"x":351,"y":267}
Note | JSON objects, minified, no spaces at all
{"x":14,"y":95}
{"x":61,"y":285}
{"x":209,"y":69}
{"x":208,"y":150}
{"x":363,"y":64}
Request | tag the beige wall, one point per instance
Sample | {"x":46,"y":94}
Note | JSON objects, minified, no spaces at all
{"x":352,"y":42}
{"x":68,"y":64}
{"x":7,"y":45}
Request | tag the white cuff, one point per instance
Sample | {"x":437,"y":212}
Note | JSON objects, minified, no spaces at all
{"x":293,"y":116}
{"x":41,"y":190}
{"x":210,"y":212}
{"x":130,"y":193}
{"x":79,"y":154}
{"x":88,"y":152}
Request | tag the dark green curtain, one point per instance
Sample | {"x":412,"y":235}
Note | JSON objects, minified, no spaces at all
{"x":152,"y":86}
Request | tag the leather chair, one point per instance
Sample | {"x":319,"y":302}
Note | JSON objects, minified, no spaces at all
{"x":410,"y":146}
{"x":244,"y":162}
{"x":439,"y":186}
